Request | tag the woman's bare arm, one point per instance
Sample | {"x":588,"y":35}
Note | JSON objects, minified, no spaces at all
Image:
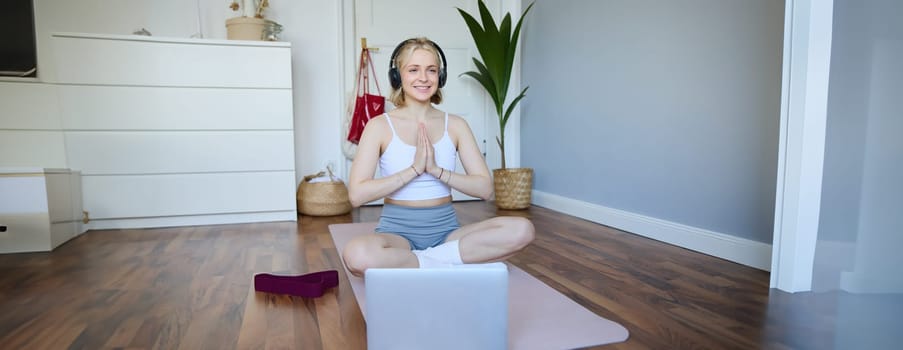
{"x":362,"y":187}
{"x":475,"y":181}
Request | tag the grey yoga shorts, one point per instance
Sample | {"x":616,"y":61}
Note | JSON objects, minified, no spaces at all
{"x":422,"y":227}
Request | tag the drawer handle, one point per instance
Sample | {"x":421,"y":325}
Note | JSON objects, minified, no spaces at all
{"x":2,"y":228}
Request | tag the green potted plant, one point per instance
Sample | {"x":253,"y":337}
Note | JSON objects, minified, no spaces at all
{"x":497,"y":46}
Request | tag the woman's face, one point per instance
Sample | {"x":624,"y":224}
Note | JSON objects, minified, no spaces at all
{"x":420,"y":75}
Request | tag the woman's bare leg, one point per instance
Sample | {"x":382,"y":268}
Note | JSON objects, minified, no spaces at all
{"x":494,"y":239}
{"x":377,"y":250}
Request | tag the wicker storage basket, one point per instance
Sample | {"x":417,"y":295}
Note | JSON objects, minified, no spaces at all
{"x":322,"y":198}
{"x":513,"y":187}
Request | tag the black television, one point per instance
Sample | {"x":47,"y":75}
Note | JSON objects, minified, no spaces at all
{"x":18,"y":53}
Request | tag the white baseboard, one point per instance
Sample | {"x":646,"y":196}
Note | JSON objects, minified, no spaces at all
{"x":740,"y":250}
{"x":191,"y":220}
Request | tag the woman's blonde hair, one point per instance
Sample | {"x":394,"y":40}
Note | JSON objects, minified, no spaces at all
{"x":404,"y":53}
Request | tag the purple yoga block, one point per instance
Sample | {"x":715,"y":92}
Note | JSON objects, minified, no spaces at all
{"x":311,"y":285}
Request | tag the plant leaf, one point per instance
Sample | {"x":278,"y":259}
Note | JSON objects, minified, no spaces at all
{"x":485,"y":81}
{"x":494,"y":54}
{"x":480,"y":37}
{"x":488,"y":23}
{"x":504,"y":46}
{"x":511,"y":107}
{"x":512,"y":48}
{"x":497,"y":99}
{"x":505,"y":27}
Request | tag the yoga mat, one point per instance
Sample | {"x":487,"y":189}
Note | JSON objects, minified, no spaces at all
{"x":539,"y":317}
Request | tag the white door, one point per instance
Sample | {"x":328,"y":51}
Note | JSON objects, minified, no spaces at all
{"x":385,"y":23}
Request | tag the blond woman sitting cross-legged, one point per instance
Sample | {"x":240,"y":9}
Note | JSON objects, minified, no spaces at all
{"x":415,"y":148}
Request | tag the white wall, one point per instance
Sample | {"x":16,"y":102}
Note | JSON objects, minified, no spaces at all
{"x":858,"y":236}
{"x":312,"y":26}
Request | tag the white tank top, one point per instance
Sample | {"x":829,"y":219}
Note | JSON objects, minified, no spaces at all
{"x":399,"y":156}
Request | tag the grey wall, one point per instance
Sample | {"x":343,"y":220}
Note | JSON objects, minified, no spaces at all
{"x":660,"y":108}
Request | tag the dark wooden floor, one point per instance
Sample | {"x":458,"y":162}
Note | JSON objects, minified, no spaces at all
{"x":191,"y":288}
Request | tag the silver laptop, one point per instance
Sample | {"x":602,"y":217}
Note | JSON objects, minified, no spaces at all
{"x":464,"y":307}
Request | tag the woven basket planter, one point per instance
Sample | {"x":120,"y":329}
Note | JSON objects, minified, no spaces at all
{"x":245,"y":28}
{"x":513,"y":187}
{"x":322,"y":198}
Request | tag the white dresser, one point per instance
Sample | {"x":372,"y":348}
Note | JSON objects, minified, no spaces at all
{"x":165,"y":131}
{"x":171,"y":132}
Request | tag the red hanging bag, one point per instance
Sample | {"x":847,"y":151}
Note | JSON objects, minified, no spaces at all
{"x":366,"y":105}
